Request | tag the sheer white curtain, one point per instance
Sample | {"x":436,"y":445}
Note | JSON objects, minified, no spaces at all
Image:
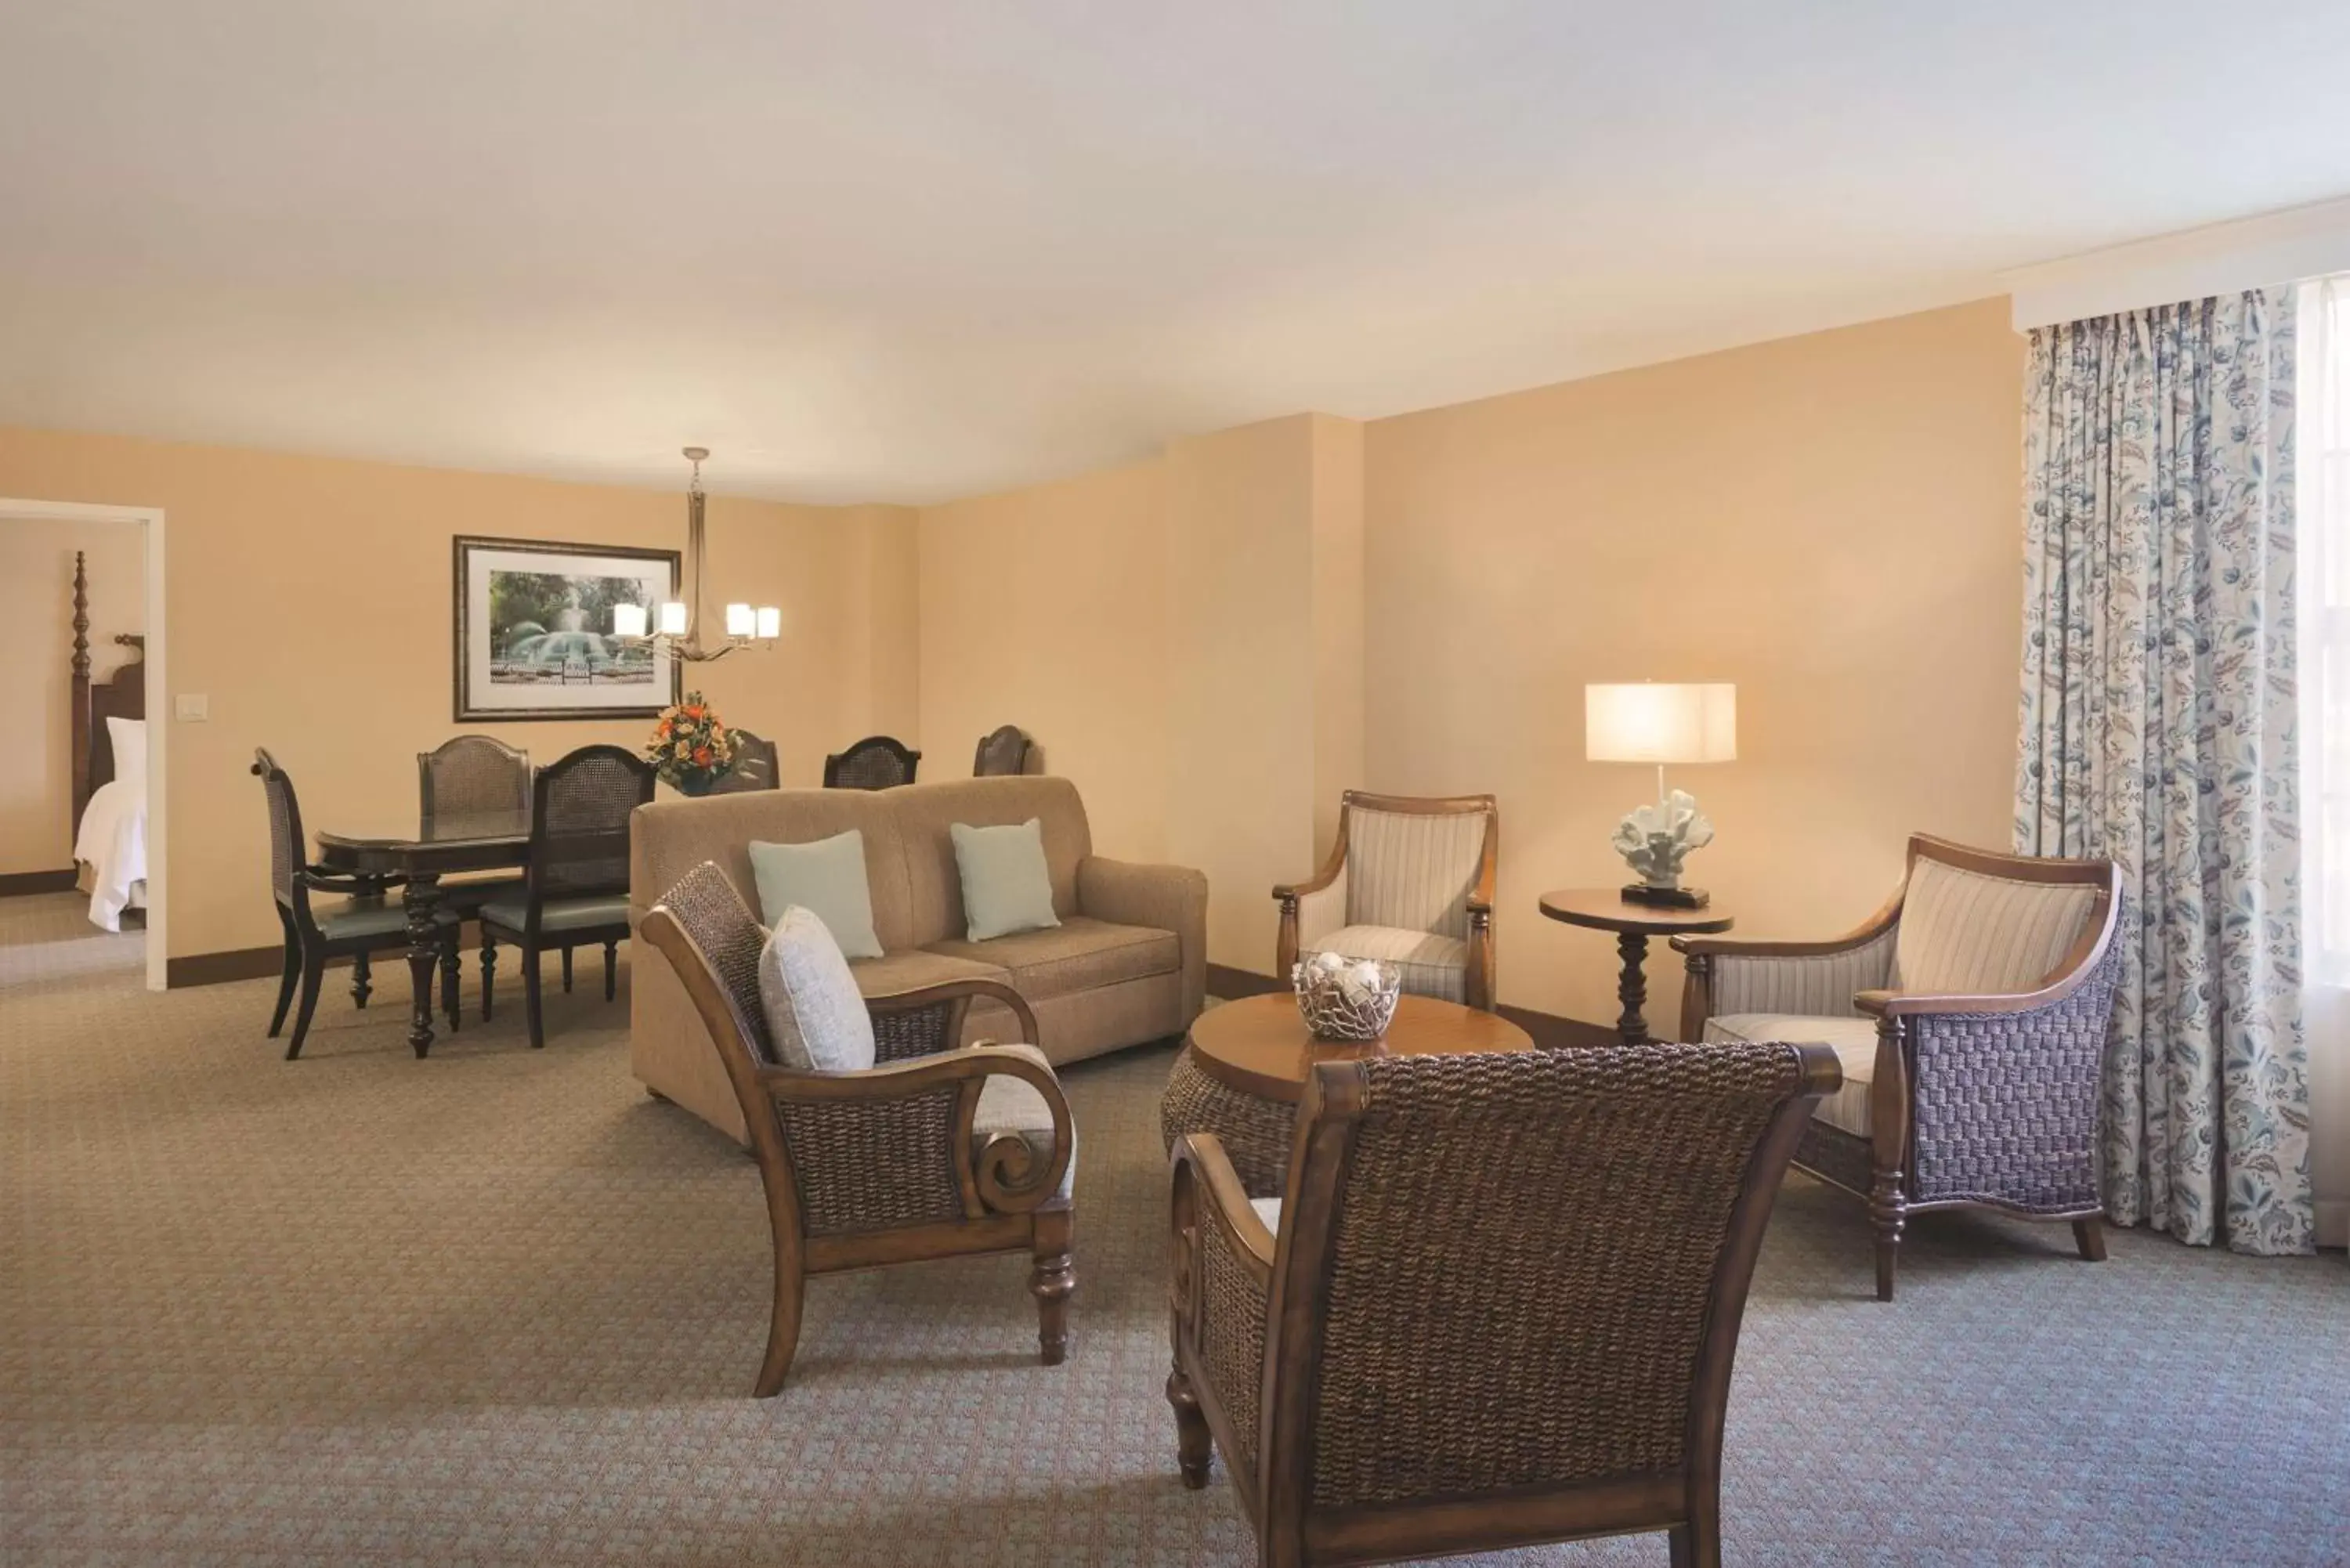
{"x":2322,"y":433}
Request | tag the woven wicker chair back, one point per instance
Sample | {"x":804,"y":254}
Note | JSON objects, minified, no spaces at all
{"x":473,"y":774}
{"x":876,"y":762}
{"x":1002,"y":752}
{"x":730,"y":938}
{"x":288,"y":851}
{"x":1526,"y":1255}
{"x":579,"y":821}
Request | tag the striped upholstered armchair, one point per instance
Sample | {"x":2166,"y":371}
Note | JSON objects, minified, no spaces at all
{"x":1970,"y":1014}
{"x":1408,"y":880}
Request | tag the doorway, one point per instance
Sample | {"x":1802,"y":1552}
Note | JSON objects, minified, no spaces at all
{"x":83,"y":884}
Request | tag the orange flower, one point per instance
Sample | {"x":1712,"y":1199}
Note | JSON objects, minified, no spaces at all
{"x":702,"y":757}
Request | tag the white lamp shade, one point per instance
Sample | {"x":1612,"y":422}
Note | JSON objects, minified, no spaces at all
{"x":1652,"y":722}
{"x":673,"y":617}
{"x":771,"y":621}
{"x":628,"y":620}
{"x":741,"y":621}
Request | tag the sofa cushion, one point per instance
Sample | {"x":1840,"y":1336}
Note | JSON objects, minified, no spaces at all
{"x":1967,"y":934}
{"x":1269,"y":1211}
{"x":1432,"y":965}
{"x":1854,"y":1040}
{"x":1009,"y":1105}
{"x":1006,"y":887}
{"x":825,"y":876}
{"x":911,"y":969}
{"x":815,"y":1015}
{"x":1079,"y":954}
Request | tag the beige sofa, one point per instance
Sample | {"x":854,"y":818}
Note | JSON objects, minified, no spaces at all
{"x":1127,"y":964}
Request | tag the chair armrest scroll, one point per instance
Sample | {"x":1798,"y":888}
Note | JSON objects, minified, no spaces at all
{"x":1221,"y":1197}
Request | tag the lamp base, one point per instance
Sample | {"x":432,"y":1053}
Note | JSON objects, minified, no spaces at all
{"x":1665,"y":897}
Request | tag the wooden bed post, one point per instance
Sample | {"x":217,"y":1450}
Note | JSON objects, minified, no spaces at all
{"x":81,"y":695}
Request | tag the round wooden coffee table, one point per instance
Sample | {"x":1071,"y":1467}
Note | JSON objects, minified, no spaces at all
{"x":1244,"y":1066}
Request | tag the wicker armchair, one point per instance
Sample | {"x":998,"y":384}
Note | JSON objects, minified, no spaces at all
{"x":755,"y":766}
{"x":876,"y":762}
{"x":1408,"y":880}
{"x":1970,"y":1015}
{"x":934,"y":1152}
{"x":1497,"y":1306}
{"x":1002,"y":751}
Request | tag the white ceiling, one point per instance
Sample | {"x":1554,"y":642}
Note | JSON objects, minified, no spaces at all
{"x":890,"y":249}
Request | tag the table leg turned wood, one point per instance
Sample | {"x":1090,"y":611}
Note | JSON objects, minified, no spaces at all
{"x":423,"y":960}
{"x":1632,"y":987}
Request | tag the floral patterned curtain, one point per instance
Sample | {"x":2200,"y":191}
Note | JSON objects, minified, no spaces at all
{"x":2159,"y":729}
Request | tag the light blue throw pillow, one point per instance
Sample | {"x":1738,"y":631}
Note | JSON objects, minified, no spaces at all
{"x":1006,"y":887}
{"x":828,"y":879}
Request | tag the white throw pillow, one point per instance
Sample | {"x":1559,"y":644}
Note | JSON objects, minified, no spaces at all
{"x":815,"y":1015}
{"x":128,"y":739}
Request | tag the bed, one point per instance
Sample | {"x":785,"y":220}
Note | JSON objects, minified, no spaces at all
{"x":109,"y":770}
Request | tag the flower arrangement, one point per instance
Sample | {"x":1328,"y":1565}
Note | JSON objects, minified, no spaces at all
{"x":691,"y":747}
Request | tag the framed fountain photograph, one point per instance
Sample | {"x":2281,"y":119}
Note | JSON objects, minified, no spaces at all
{"x":535,"y":639}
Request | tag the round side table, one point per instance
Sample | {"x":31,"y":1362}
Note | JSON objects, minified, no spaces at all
{"x":1244,"y":1064}
{"x":1607,"y":910}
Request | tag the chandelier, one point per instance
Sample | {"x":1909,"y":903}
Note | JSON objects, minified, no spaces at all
{"x":674,"y":632}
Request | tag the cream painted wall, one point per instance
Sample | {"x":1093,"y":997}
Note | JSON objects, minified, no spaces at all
{"x":882,"y":627}
{"x":309,"y":599}
{"x":36,"y":574}
{"x":1046,"y":608}
{"x":1828,"y":521}
{"x":1338,"y":600}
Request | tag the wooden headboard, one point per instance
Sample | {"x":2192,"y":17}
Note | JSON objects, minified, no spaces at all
{"x":122,"y":695}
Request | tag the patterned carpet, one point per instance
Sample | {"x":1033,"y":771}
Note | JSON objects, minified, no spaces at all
{"x":500,"y":1307}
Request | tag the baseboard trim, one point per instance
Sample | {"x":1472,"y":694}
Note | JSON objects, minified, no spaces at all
{"x":219,"y":968}
{"x":17,"y":884}
{"x":1548,"y":1029}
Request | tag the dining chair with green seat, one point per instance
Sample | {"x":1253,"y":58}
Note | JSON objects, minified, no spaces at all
{"x":360,"y":922}
{"x":473,"y":775}
{"x":575,"y":891}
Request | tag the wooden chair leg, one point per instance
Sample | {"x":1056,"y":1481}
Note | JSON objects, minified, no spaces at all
{"x":1698,"y":1543}
{"x":530,"y":995}
{"x":489,"y":967}
{"x":314,"y":979}
{"x":566,"y":970}
{"x":1195,"y":1443}
{"x":292,"y":978}
{"x":1052,"y":1282}
{"x":362,"y":988}
{"x":1888,"y":1211}
{"x":2089,"y":1235}
{"x":783,"y":1329}
{"x":452,"y":970}
{"x":611,"y":960}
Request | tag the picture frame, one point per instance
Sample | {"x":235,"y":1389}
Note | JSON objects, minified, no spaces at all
{"x":533,"y":631}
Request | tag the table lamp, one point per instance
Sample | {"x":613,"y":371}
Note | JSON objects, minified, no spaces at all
{"x":1652,"y":722}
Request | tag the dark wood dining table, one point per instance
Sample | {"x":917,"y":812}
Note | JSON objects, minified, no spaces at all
{"x":435,"y":847}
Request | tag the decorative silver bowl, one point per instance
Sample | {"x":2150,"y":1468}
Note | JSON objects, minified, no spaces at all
{"x":1347,"y":999}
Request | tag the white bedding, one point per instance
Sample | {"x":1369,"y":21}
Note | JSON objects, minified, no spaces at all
{"x":113,"y":843}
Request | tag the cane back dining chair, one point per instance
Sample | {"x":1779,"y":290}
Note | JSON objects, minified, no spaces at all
{"x":876,"y":762}
{"x":1970,"y":1014}
{"x":356,"y":924}
{"x":1409,"y":880}
{"x":1496,"y":1306}
{"x":933,"y":1152}
{"x":471,"y":776}
{"x":575,"y":889}
{"x":755,"y":766}
{"x":1002,"y":751}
